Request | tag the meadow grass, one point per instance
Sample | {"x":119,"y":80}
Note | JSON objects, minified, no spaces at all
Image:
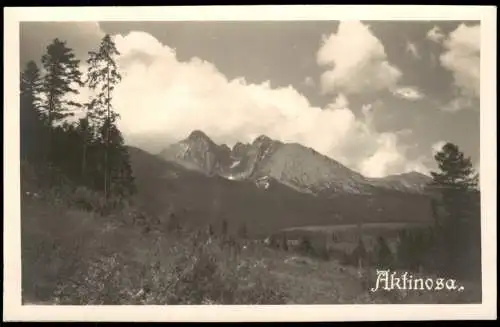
{"x":79,"y":257}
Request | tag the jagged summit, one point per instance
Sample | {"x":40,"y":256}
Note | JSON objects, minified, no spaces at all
{"x":292,"y":164}
{"x":199,"y":135}
{"x":262,"y":139}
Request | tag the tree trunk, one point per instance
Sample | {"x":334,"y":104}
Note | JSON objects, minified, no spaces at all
{"x":48,"y":154}
{"x":106,"y":168}
{"x":84,"y":155}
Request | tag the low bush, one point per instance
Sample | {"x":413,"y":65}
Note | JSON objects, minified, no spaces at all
{"x":92,"y":260}
{"x":175,"y":274}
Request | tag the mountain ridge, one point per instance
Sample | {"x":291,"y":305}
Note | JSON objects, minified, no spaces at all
{"x":292,"y":164}
{"x":263,"y":205}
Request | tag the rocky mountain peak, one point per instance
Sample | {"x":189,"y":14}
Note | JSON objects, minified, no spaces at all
{"x":262,"y":139}
{"x":291,"y":164}
{"x":198,"y":135}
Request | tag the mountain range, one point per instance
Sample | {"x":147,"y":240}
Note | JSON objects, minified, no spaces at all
{"x":290,"y":164}
{"x":268,"y":186}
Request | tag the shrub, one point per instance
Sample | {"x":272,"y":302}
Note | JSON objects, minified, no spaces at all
{"x":88,"y":200}
{"x":195,"y":269}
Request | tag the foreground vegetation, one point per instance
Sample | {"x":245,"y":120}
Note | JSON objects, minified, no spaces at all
{"x":73,"y":256}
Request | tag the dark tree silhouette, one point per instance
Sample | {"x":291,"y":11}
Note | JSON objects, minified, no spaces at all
{"x":84,"y":130}
{"x":61,"y":78}
{"x":31,"y":127}
{"x":78,"y":153}
{"x":103,"y":76}
{"x":459,"y":229}
{"x":119,"y":175}
{"x":455,"y":170}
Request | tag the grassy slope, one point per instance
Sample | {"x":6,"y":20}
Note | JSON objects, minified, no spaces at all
{"x":81,"y":258}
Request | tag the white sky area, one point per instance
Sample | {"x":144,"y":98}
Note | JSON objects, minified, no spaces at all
{"x":161,"y":95}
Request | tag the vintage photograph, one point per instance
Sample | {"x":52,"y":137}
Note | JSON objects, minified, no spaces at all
{"x":250,"y":162}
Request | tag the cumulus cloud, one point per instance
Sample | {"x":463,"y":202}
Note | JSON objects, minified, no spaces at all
{"x":160,"y":95}
{"x":462,"y":58}
{"x":408,"y":93}
{"x":339,"y":102}
{"x":380,"y":162}
{"x":356,"y":61}
{"x":389,"y":158}
{"x":460,"y":103}
{"x":435,"y":34}
{"x":168,"y":98}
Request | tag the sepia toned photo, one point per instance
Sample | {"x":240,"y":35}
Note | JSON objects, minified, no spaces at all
{"x":214,"y":162}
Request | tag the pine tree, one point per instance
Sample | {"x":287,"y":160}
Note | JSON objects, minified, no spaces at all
{"x":455,"y":170}
{"x":67,"y":138}
{"x":62,"y":77}
{"x":457,"y":183}
{"x":455,"y":180}
{"x":119,"y":177}
{"x":84,"y":130}
{"x":103,"y":76}
{"x":92,"y":147}
{"x":30,"y":118}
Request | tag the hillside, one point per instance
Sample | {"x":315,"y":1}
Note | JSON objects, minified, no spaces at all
{"x":264,"y":206}
{"x":403,"y":182}
{"x":70,"y":256}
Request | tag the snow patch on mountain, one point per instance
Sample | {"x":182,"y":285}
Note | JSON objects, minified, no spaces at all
{"x":235,"y":163}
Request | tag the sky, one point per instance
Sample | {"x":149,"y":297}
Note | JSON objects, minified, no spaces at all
{"x":378,"y":96}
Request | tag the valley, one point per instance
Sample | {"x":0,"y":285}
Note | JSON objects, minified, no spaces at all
{"x":270,"y":186}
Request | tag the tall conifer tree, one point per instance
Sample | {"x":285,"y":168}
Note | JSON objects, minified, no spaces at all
{"x":103,"y":76}
{"x":62,"y":77}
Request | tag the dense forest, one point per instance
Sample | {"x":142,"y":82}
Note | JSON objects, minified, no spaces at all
{"x":76,"y":142}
